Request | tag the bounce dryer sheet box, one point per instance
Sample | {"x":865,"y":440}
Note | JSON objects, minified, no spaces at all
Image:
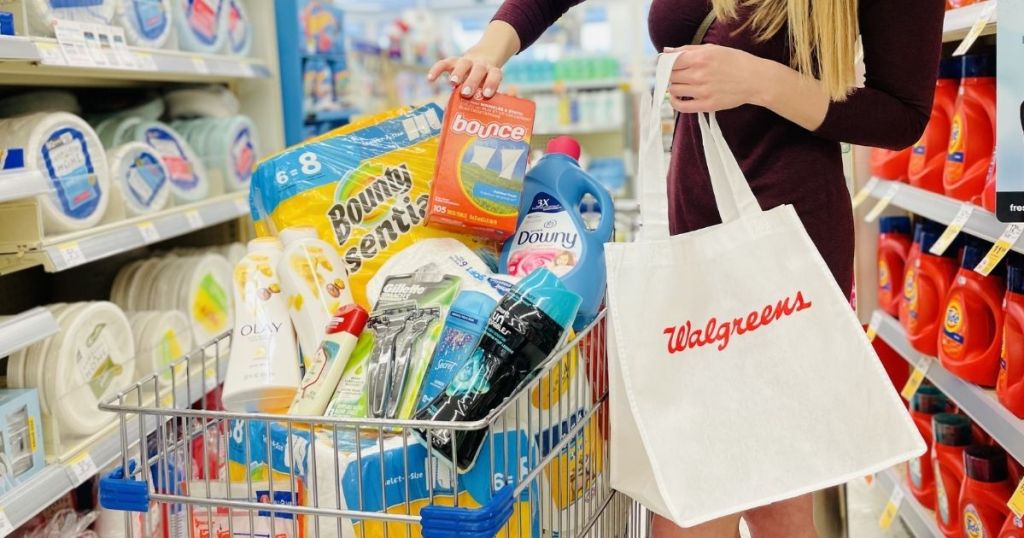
{"x":364,"y":188}
{"x":482,"y":159}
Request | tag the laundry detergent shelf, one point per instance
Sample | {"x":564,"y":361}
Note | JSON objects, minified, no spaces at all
{"x":973,"y":128}
{"x":985,"y":491}
{"x":952,"y":436}
{"x":925,"y":292}
{"x":1010,"y":383}
{"x":894,"y":244}
{"x":928,"y":155}
{"x":927,"y":402}
{"x":551,"y":231}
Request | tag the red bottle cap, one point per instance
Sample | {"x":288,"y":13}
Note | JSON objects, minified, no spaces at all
{"x":985,"y":463}
{"x":350,"y":318}
{"x":565,"y":145}
{"x":951,"y":429}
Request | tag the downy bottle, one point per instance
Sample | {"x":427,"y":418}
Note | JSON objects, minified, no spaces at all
{"x":263,"y":371}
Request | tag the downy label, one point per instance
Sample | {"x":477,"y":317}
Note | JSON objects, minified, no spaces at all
{"x":547,"y":237}
{"x":71,"y":172}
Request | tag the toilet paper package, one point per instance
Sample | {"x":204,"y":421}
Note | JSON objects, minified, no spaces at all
{"x":363,"y":187}
{"x":65,"y":150}
{"x":385,"y":469}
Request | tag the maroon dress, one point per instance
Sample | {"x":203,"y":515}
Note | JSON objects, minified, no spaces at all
{"x":785,"y":163}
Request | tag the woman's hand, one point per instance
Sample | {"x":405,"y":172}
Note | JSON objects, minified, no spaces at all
{"x":478,"y":71}
{"x":709,"y":78}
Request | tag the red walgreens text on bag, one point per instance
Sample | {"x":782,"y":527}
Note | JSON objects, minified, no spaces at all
{"x":925,"y":294}
{"x":927,"y":402}
{"x":894,"y":244}
{"x":985,"y":491}
{"x":928,"y":155}
{"x":972,"y":329}
{"x":973,"y":129}
{"x":952,"y":435}
{"x":1010,"y":384}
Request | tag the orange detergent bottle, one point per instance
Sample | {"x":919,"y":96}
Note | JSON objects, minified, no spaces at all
{"x":890,"y":164}
{"x":985,"y":491}
{"x":910,"y":272}
{"x":972,"y":132}
{"x":928,"y":155}
{"x":927,"y":402}
{"x":894,"y":244}
{"x":952,"y":435}
{"x":972,"y":329}
{"x":925,"y":294}
{"x":1013,"y":528}
{"x":988,"y":196}
{"x":1010,"y":385}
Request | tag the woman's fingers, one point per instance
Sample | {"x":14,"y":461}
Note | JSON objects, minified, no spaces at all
{"x":693,"y":106}
{"x":474,"y":79}
{"x":441,"y":67}
{"x":460,"y":71}
{"x":685,"y":91}
{"x":491,"y":83}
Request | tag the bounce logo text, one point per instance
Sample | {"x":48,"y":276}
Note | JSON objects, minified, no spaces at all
{"x":487,"y":130}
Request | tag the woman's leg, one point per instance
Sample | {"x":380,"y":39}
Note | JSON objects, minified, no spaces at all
{"x":793,"y":518}
{"x":725,"y":527}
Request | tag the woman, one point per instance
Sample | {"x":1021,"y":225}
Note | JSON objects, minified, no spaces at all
{"x":780,"y":74}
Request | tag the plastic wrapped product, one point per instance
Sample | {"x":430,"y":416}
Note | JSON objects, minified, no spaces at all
{"x":39,"y":101}
{"x":64,"y":149}
{"x":204,"y":102}
{"x":146,"y":23}
{"x":239,"y":29}
{"x":161,"y":337}
{"x":41,"y":13}
{"x":142,"y":177}
{"x":201,"y":24}
{"x":189,"y":180}
{"x":230,"y":146}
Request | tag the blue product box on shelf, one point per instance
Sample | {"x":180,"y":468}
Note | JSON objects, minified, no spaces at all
{"x":321,"y":27}
{"x":21,"y":437}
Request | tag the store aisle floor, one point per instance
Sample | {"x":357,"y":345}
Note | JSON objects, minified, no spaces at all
{"x":865,"y":505}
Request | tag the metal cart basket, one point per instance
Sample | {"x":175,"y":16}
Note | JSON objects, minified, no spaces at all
{"x":542,"y":469}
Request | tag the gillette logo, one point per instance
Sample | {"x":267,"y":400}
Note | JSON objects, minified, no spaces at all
{"x":402,"y":290}
{"x":487,"y":130}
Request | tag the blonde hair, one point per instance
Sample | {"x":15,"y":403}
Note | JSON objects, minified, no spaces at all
{"x":822,"y":35}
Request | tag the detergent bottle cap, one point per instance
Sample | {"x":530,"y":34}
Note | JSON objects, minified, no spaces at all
{"x":928,"y":238}
{"x":985,"y":463}
{"x":979,"y":65}
{"x":950,"y":68}
{"x":565,"y":145}
{"x":264,"y":244}
{"x":470,"y":311}
{"x":951,"y":429}
{"x":894,"y":225}
{"x":930,"y":400}
{"x":1015,"y":273}
{"x":350,"y":318}
{"x":974,"y":251}
{"x":294,"y":233}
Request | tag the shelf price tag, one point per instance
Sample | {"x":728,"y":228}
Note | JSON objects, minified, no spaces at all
{"x":883,"y":203}
{"x":891,"y":508}
{"x":50,"y":54}
{"x":916,"y":377}
{"x":975,"y":32}
{"x":6,"y":527}
{"x":82,"y":468}
{"x":195,"y":220}
{"x":247,"y":70}
{"x":149,"y":232}
{"x":72,"y":254}
{"x":71,"y":39}
{"x":865,"y":192}
{"x":1016,"y":502}
{"x":1001,"y":248}
{"x":200,"y":65}
{"x":144,"y":61}
{"x":953,"y":230}
{"x":876,"y":320}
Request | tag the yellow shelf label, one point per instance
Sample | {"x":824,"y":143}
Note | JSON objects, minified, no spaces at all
{"x":883,"y":203}
{"x":891,"y":508}
{"x":1001,"y":248}
{"x":865,"y":192}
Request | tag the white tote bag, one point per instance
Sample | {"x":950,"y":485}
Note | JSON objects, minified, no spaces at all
{"x":740,"y":376}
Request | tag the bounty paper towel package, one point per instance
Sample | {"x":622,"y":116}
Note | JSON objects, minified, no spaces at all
{"x":363,"y":187}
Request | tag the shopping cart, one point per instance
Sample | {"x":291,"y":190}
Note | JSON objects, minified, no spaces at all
{"x":542,"y":469}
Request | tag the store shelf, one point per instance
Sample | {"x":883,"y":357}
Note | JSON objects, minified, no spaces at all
{"x":74,"y":249}
{"x":919,"y":520}
{"x":552,"y":86}
{"x":580,"y":130}
{"x":25,"y":329}
{"x":18,"y":185}
{"x":959,"y":21}
{"x":942,"y":209}
{"x":38,"y":60}
{"x":54,"y":481}
{"x":979,"y":404}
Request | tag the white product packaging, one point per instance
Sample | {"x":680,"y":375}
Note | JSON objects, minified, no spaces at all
{"x":189,"y":180}
{"x":205,"y":102}
{"x":64,"y":149}
{"x":117,"y":130}
{"x":205,"y":295}
{"x":39,"y":101}
{"x":161,"y":337}
{"x":315,"y":285}
{"x":142,"y":177}
{"x":91,"y":359}
{"x":42,"y":13}
{"x":233,"y":252}
{"x":452,"y":258}
{"x":263,"y":371}
{"x":201,"y":25}
{"x":239,"y":29}
{"x":230,"y":148}
{"x":146,"y":23}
